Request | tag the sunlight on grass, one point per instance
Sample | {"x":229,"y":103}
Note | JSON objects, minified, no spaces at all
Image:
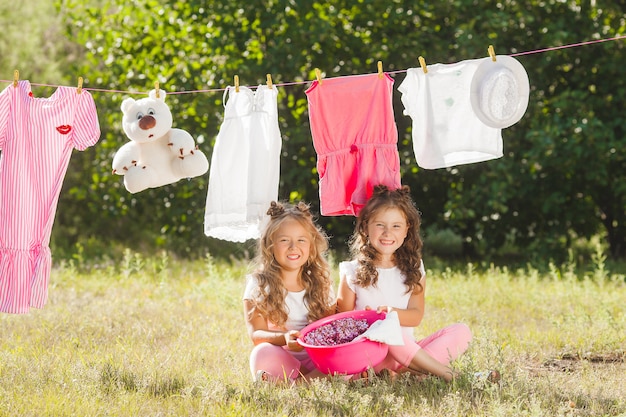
{"x":160,"y":336}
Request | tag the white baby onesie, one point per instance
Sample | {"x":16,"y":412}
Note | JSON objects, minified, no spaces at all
{"x":446,"y":131}
{"x":245,"y":165}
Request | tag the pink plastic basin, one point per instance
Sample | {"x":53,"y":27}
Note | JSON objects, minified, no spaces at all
{"x":347,"y":358}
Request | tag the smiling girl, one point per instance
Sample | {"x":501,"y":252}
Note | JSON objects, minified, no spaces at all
{"x":387,"y":273}
{"x":290,"y":287}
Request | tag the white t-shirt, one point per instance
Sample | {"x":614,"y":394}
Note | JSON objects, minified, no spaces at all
{"x":389,"y":290}
{"x":446,"y":131}
{"x":297,"y":311}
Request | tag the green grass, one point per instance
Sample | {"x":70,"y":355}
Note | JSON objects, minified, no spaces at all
{"x":158,"y":337}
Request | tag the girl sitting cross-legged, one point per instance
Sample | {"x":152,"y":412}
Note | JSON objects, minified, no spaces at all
{"x":387,"y":274}
{"x":290,"y":288}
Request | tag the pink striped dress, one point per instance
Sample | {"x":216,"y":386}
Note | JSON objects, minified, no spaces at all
{"x":37,"y":136}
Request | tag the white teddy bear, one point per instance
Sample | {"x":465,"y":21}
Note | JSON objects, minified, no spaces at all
{"x":157,"y":154}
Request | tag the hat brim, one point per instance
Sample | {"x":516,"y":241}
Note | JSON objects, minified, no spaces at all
{"x":500,"y":91}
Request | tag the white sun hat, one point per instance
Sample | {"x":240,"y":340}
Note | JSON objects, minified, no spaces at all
{"x":499,"y":91}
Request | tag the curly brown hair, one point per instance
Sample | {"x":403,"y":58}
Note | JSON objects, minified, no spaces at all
{"x":315,"y":275}
{"x":407,"y":257}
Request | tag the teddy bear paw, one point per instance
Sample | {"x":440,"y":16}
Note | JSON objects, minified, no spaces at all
{"x":181,"y":144}
{"x":139,"y":178}
{"x":192,"y":165}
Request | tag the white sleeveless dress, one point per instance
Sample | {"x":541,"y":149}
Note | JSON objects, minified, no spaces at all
{"x":245,"y":165}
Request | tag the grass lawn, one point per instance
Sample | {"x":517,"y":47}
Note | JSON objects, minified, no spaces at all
{"x":158,"y":337}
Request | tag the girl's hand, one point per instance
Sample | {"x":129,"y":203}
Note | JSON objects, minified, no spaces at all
{"x":386,"y":309}
{"x":291,"y":340}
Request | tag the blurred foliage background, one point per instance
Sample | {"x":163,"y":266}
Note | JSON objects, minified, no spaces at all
{"x":560,"y":185}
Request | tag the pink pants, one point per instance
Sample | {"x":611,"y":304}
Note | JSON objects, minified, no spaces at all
{"x":279,"y":363}
{"x":444,"y":346}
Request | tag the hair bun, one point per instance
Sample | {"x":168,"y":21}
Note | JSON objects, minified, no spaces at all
{"x":276,"y":209}
{"x":303,"y":207}
{"x":380,"y":189}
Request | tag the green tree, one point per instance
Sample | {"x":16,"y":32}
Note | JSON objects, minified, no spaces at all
{"x":561,"y":176}
{"x":33,"y":43}
{"x":563,"y":173}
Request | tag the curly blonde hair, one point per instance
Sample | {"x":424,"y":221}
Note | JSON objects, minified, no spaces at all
{"x":407,"y":257}
{"x":315,"y":274}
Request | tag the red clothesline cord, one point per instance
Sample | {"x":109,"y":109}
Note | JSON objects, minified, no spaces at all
{"x":536,"y":51}
{"x":573,"y":45}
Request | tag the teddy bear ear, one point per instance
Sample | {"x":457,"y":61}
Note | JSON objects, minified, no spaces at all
{"x":153,"y":94}
{"x":127,"y":103}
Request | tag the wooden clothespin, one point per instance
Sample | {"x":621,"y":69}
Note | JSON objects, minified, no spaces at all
{"x":269,"y":81}
{"x":423,"y":64}
{"x":16,"y":77}
{"x":156,"y":88}
{"x":318,"y":75}
{"x":492,"y":53}
{"x":79,"y":89}
{"x":236,"y":83}
{"x":380,"y":69}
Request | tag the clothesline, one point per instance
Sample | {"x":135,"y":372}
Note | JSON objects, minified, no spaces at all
{"x":250,"y":167}
{"x":292,"y":83}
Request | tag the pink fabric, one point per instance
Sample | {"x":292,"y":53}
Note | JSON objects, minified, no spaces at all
{"x":279,"y":363}
{"x":356,"y":140}
{"x":37,"y":136}
{"x":444,"y":346}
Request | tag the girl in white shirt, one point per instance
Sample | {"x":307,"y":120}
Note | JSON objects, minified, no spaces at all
{"x":290,"y":288}
{"x":387,"y":274}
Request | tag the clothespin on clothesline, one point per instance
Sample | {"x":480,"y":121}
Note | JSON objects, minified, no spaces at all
{"x":236,"y":79}
{"x":16,"y":77}
{"x":380,"y":69}
{"x":318,"y":76}
{"x":269,"y":81}
{"x":423,"y":64}
{"x":492,"y":53}
{"x":156,"y":88}
{"x":79,"y":89}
